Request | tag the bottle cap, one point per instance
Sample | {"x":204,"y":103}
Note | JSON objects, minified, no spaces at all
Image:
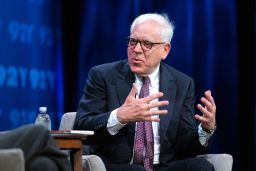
{"x":42,"y":109}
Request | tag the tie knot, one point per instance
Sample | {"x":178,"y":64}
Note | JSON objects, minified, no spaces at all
{"x":144,"y":91}
{"x":146,"y":80}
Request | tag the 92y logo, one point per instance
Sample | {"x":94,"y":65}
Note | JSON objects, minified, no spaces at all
{"x":18,"y":77}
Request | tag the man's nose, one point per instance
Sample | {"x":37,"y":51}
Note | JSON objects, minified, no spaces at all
{"x":138,"y":47}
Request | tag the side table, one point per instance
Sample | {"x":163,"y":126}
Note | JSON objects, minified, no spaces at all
{"x":72,"y":140}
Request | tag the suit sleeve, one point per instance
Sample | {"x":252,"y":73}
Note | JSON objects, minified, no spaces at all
{"x":187,"y":143}
{"x":92,"y":111}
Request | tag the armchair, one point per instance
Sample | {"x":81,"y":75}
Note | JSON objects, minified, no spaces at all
{"x":90,"y":162}
{"x":220,"y":162}
{"x":12,"y":159}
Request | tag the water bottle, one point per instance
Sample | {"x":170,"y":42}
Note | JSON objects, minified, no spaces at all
{"x":43,"y":118}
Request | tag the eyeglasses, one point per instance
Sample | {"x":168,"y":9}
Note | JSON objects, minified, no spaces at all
{"x":145,"y":44}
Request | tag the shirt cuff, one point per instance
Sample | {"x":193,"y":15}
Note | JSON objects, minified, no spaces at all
{"x":204,"y":136}
{"x":113,"y":125}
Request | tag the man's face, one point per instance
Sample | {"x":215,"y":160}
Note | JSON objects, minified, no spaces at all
{"x":144,"y":61}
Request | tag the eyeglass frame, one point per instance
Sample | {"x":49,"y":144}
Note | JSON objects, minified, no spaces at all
{"x":142,"y":43}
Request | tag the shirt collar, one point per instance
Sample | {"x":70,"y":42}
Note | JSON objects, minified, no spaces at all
{"x":153,"y":76}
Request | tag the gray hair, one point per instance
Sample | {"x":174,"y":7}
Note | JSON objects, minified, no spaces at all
{"x":167,"y":27}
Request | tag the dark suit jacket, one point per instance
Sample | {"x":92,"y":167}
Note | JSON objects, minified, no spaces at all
{"x":107,"y":88}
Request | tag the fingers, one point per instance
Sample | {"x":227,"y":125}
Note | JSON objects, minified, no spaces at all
{"x":208,"y":102}
{"x":207,"y":119}
{"x":204,"y":110}
{"x":208,"y":109}
{"x":148,"y":104}
{"x":152,"y":97}
{"x":134,"y":109}
{"x":147,"y":99}
{"x":157,"y":104}
{"x":151,"y":119}
{"x":147,"y":116}
{"x":209,"y":97}
{"x":201,"y":118}
{"x":155,"y":112}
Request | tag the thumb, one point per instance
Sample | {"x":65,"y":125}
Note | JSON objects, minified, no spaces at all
{"x":133,"y":91}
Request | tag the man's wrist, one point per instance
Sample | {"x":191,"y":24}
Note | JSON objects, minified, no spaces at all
{"x":209,"y":131}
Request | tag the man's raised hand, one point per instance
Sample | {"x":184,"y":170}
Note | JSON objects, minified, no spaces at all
{"x":134,"y":110}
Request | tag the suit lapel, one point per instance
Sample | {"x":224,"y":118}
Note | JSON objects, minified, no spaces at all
{"x":168,"y":87}
{"x":123,"y":86}
{"x":124,"y":83}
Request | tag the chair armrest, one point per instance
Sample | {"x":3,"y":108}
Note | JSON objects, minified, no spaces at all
{"x":90,"y":162}
{"x":220,"y":162}
{"x":93,"y":163}
{"x":67,"y":121}
{"x":12,"y":159}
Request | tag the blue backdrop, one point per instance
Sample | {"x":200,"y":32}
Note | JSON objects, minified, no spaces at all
{"x":47,"y":48}
{"x":30,"y":61}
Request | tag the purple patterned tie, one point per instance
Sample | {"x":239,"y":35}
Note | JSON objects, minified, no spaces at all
{"x":144,"y":140}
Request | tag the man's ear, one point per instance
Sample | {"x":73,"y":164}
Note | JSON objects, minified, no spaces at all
{"x":166,"y":50}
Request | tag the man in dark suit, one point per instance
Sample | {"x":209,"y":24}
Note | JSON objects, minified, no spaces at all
{"x":40,"y":151}
{"x":113,"y":107}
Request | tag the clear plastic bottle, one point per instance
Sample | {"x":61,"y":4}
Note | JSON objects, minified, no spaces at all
{"x":43,"y":118}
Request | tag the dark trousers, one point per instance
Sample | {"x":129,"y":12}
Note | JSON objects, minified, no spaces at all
{"x":38,"y":146}
{"x":191,"y":164}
